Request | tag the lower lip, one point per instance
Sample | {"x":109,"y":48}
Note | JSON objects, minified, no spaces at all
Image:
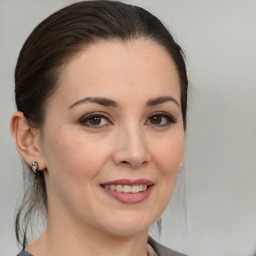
{"x":129,"y":198}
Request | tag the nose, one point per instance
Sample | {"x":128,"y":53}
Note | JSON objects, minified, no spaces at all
{"x":131,"y":149}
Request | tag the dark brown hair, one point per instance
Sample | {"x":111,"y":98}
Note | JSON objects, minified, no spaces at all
{"x":52,"y":44}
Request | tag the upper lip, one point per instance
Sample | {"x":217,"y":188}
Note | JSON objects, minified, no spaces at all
{"x":129,"y":182}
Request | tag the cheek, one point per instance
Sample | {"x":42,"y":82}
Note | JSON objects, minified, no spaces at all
{"x":75,"y":157}
{"x":74,"y":164}
{"x":168,"y":154}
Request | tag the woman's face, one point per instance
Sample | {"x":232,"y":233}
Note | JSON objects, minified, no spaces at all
{"x":113,"y":137}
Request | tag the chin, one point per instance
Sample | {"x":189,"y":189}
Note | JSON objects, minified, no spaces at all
{"x":130,"y":225}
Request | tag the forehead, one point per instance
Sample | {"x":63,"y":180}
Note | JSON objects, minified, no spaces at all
{"x":109,"y":66}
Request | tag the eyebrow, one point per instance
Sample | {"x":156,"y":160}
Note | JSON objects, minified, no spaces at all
{"x":160,"y":100}
{"x":101,"y":101}
{"x":111,"y":103}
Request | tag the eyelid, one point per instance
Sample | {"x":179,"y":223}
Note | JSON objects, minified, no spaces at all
{"x":171,"y":118}
{"x":86,"y":117}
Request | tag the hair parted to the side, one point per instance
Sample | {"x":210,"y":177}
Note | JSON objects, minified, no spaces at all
{"x":51,"y":45}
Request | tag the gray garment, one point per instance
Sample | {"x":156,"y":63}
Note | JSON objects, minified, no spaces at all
{"x":158,"y":248}
{"x":162,"y":250}
{"x":24,"y":253}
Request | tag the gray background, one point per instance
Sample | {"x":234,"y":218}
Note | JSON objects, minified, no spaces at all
{"x":219,"y":38}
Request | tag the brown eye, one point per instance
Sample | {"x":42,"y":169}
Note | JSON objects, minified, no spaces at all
{"x":95,"y":120}
{"x":155,"y":119}
{"x":160,"y":119}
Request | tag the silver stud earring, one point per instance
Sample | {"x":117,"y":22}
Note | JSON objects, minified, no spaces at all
{"x":34,"y":166}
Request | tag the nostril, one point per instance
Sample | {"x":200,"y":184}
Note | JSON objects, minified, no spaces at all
{"x":144,"y":163}
{"x":133,"y":164}
{"x":125,"y":163}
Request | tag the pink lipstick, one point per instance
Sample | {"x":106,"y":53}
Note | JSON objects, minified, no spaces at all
{"x":128,"y":191}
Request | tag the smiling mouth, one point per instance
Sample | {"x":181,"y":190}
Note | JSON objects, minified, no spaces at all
{"x":129,"y":191}
{"x":127,"y":188}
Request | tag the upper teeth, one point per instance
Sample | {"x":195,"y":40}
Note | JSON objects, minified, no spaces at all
{"x":127,"y":188}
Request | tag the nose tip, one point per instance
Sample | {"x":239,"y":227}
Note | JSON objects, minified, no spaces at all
{"x":131,"y":151}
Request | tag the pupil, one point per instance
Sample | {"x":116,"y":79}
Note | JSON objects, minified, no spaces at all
{"x":95,"y":120}
{"x":155,"y":119}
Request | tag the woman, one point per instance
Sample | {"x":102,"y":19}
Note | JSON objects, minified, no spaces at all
{"x":101,"y":93}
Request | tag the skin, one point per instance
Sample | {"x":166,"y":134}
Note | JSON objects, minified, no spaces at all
{"x":131,"y":141}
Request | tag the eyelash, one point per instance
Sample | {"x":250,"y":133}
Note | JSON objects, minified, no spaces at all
{"x":169,"y":119}
{"x":87,"y":118}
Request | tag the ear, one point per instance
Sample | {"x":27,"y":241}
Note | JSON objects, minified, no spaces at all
{"x":27,"y":140}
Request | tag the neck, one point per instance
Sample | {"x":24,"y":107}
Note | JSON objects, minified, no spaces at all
{"x":61,"y":239}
